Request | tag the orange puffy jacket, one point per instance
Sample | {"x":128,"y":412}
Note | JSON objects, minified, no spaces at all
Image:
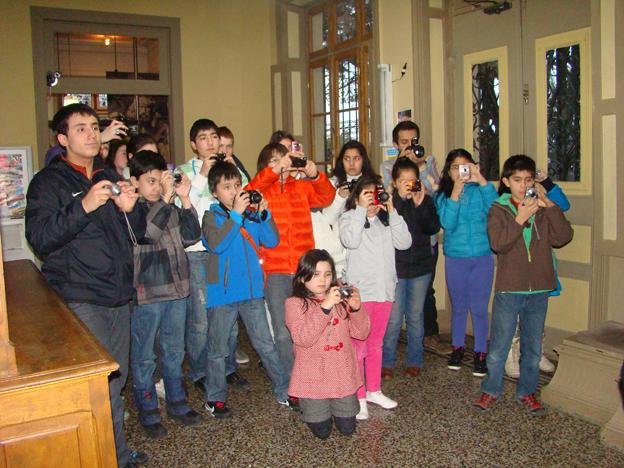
{"x":290,"y":204}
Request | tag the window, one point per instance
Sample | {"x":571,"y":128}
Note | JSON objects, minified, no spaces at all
{"x":338,"y":39}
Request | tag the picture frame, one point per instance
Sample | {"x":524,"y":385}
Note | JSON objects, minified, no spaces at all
{"x":15,"y":174}
{"x":100,"y":102}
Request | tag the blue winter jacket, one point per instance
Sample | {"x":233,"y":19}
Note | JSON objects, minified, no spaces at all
{"x":465,"y":221}
{"x":233,"y":269}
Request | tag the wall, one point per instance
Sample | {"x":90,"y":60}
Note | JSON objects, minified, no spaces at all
{"x":226,"y":58}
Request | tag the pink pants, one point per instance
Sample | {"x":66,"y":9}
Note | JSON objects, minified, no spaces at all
{"x":370,"y":350}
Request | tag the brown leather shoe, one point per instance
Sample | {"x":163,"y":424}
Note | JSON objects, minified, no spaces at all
{"x":412,"y":371}
{"x":435,"y":344}
{"x":387,"y":373}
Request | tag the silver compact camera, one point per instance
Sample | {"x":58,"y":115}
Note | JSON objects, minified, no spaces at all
{"x":464,"y":171}
{"x":114,"y":189}
{"x":531,"y":192}
{"x":345,"y":291}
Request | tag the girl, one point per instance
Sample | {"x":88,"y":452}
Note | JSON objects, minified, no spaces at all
{"x":322,"y":322}
{"x":117,"y":158}
{"x":370,"y":241}
{"x":414,"y":267}
{"x":463,"y":202}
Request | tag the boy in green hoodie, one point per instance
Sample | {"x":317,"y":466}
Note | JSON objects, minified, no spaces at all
{"x":523,"y":227}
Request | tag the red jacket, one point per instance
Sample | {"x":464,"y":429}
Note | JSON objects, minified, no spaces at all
{"x":290,"y":205}
{"x":325,"y":360}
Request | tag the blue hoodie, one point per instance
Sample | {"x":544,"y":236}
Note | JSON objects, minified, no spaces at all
{"x":465,"y":221}
{"x":233,"y":269}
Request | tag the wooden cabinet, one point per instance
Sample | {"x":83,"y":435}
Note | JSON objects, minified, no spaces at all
{"x":54,"y":402}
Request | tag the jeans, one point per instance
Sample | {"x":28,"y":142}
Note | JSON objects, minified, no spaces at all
{"x":278,"y":288}
{"x":221,"y":320}
{"x":167,"y":320}
{"x":409,"y":301}
{"x":530,"y":309}
{"x":469,"y":282}
{"x":111,"y":326}
{"x":430,"y":310}
{"x":197,"y":321}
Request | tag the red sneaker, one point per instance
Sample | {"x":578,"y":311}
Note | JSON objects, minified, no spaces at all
{"x":484,"y":402}
{"x":532,"y":405}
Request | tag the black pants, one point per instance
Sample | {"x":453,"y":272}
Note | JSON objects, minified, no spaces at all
{"x":430,"y":310}
{"x":322,"y":429}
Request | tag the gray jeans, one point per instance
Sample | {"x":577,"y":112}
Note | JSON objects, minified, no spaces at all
{"x":111,"y":326}
{"x":278,"y":289}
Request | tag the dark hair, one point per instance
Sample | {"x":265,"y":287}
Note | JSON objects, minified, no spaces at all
{"x":351,"y":202}
{"x":339,"y":171}
{"x":404,"y":164}
{"x":61,"y":118}
{"x":145,"y":161}
{"x":267,"y":153}
{"x":202,"y":124}
{"x":515,"y":163}
{"x":307,"y":267}
{"x":225,"y":132}
{"x":222,"y":170}
{"x":138,"y":141}
{"x":446,"y":183}
{"x":405,"y":125}
{"x":114,"y":145}
{"x":279,"y":135}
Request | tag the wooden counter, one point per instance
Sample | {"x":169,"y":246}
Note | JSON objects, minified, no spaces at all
{"x":54,"y":410}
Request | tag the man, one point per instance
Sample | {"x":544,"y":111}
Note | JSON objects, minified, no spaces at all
{"x":403,"y":135}
{"x":80,"y":226}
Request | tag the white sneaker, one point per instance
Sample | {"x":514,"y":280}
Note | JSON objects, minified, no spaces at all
{"x":160,"y":389}
{"x":363,"y":414}
{"x":241,"y":357}
{"x":380,"y":399}
{"x":546,"y":365}
{"x":512,"y":365}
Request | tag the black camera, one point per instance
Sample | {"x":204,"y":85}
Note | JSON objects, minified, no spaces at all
{"x":415,"y":186}
{"x":298,"y":162}
{"x":345,"y":291}
{"x":351,"y":184}
{"x":381,"y":196}
{"x":177,"y":178}
{"x":220,"y":157}
{"x":255,"y":197}
{"x":531,"y":192}
{"x":418,"y":150}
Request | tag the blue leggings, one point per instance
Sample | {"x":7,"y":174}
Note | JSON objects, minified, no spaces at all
{"x":469,"y":282}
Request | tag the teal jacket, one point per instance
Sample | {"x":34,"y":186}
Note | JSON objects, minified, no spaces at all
{"x":465,"y":221}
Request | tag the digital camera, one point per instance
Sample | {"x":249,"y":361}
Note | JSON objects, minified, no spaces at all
{"x":419,"y":150}
{"x":295,"y":146}
{"x":298,"y":162}
{"x":345,"y":291}
{"x":414,"y":186}
{"x":220,"y":157}
{"x":351,"y":184}
{"x":114,"y":189}
{"x":255,"y":197}
{"x":380,"y":195}
{"x":531,"y":192}
{"x":464,"y":171}
{"x":177,"y":178}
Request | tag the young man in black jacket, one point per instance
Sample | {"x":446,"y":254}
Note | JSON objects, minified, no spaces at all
{"x":79,"y":220}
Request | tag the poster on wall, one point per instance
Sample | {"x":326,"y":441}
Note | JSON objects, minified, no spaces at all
{"x":15,"y":173}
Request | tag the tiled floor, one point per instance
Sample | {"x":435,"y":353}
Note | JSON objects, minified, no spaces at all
{"x":434,"y":425}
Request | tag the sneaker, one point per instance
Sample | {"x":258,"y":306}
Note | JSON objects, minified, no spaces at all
{"x":155,"y":431}
{"x":380,"y":399}
{"x":512,"y":364}
{"x":190,"y":418}
{"x":363,"y":414}
{"x":387,"y":373}
{"x":160,"y":389}
{"x":546,"y":365}
{"x":485,"y":402}
{"x":434,"y":343}
{"x":454,"y":362}
{"x":136,"y":459}
{"x":480,"y":365}
{"x":532,"y":405}
{"x":217,"y":409}
{"x":241,"y":357}
{"x":237,"y":381}
{"x":293,"y":403}
{"x":200,"y":384}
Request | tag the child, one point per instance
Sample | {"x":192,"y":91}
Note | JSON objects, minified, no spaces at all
{"x":161,"y":280}
{"x":522,"y":231}
{"x":325,"y":374}
{"x":414,"y":268}
{"x":463,"y":202}
{"x":370,"y":245}
{"x":232,"y":234}
{"x":291,"y":200}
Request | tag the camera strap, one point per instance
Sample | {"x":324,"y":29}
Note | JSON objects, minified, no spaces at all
{"x":253,"y":244}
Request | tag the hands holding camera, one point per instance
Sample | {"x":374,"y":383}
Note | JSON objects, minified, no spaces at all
{"x":115,"y":131}
{"x":335,"y":296}
{"x":367,"y":200}
{"x":102,"y":191}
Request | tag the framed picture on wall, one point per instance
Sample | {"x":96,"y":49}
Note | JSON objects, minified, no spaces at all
{"x":15,"y":173}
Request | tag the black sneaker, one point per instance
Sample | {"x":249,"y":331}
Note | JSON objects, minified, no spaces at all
{"x":480,"y":365}
{"x":454,"y":362}
{"x":200,"y":384}
{"x":136,"y":459}
{"x":191,"y":418}
{"x":237,"y":381}
{"x":155,"y":431}
{"x":218,"y":409}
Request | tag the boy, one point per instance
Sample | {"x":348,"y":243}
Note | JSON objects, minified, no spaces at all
{"x":81,"y":231}
{"x":205,"y":144}
{"x":161,"y":280}
{"x":232,"y":234}
{"x":523,"y":227}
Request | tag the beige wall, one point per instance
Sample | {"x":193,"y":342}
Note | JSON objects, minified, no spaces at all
{"x":226,"y":58}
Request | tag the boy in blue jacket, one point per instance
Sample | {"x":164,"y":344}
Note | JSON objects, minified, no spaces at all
{"x":232,"y":232}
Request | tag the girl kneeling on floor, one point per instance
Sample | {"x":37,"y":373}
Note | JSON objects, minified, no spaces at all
{"x":322,"y":318}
